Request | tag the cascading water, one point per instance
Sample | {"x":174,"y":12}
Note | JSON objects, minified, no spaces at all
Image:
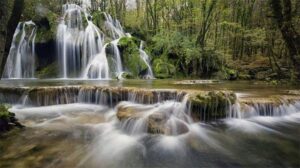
{"x":98,"y":67}
{"x":156,"y":128}
{"x":81,"y":48}
{"x":117,"y":57}
{"x":145,"y":57}
{"x":21,"y":59}
{"x":77,"y":46}
{"x":114,"y":26}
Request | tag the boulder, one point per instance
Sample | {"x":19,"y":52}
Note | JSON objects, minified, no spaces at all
{"x":157,"y":123}
{"x":7,"y":120}
{"x":213,"y":105}
{"x":130,"y":55}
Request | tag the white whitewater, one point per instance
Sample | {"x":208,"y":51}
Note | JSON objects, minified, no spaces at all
{"x":21,"y":59}
{"x":81,"y":46}
{"x":98,"y":67}
{"x":114,"y":26}
{"x":178,"y":136}
{"x":145,"y":58}
{"x":117,"y":57}
{"x":77,"y":46}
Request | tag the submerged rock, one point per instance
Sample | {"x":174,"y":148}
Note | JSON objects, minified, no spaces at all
{"x":156,"y":120}
{"x":124,"y":113}
{"x":157,"y":123}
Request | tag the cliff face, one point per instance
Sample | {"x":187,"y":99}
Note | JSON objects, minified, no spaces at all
{"x":10,"y":15}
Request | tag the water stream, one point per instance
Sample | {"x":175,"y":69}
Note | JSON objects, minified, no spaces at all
{"x":103,"y":126}
{"x":78,"y":122}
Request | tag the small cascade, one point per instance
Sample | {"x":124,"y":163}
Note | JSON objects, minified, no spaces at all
{"x":98,"y":67}
{"x":21,"y":59}
{"x":200,"y":106}
{"x":264,"y":107}
{"x":145,"y":58}
{"x":117,"y":58}
{"x":167,"y":117}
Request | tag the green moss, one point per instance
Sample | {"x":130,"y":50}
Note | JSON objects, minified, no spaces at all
{"x":50,"y":71}
{"x":4,"y":113}
{"x":98,"y":18}
{"x":47,"y":27}
{"x":127,"y":76}
{"x":212,"y":105}
{"x":132,"y":61}
{"x":45,"y":14}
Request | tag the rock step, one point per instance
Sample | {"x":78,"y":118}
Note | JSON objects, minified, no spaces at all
{"x":203,"y":105}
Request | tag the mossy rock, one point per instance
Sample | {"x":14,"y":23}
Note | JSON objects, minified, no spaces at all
{"x":7,"y":119}
{"x":45,"y":14}
{"x":46,"y":27}
{"x":127,"y":75}
{"x":98,"y":19}
{"x":231,"y":74}
{"x":132,"y":62}
{"x":4,"y":113}
{"x":162,"y":69}
{"x":50,"y":71}
{"x":212,"y":105}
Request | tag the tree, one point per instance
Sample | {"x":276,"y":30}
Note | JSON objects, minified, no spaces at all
{"x":282,"y":11}
{"x":206,"y":21}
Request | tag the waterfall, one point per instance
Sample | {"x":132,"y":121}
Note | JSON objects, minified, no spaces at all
{"x":145,"y":58}
{"x":77,"y":46}
{"x":81,"y":46}
{"x":81,"y":49}
{"x":21,"y":59}
{"x":98,"y":67}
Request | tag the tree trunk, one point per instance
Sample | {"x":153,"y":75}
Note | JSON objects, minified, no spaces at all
{"x":283,"y":15}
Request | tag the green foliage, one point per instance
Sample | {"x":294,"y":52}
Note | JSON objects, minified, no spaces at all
{"x":4,"y":113}
{"x":194,"y":38}
{"x":98,"y":18}
{"x":45,"y":15}
{"x":210,"y":62}
{"x":230,"y":74}
{"x":163,"y":69}
{"x":180,"y":51}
